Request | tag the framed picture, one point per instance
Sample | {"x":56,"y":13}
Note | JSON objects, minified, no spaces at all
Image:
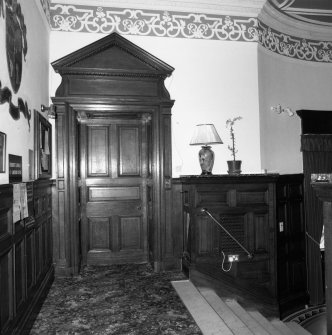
{"x":43,"y":146}
{"x":2,"y":152}
{"x":15,"y":168}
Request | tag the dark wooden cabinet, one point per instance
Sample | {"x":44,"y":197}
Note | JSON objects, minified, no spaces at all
{"x":316,"y":147}
{"x":291,"y":247}
{"x":253,"y":208}
{"x":26,"y":268}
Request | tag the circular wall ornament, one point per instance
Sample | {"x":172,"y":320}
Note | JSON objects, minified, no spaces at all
{"x":16,"y":42}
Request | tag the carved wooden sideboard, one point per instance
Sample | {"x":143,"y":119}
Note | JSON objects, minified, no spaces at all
{"x":25,"y":254}
{"x":253,"y":209}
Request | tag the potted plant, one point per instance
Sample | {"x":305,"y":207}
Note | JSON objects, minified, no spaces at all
{"x":234,"y":166}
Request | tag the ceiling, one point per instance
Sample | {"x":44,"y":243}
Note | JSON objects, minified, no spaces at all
{"x":310,"y":11}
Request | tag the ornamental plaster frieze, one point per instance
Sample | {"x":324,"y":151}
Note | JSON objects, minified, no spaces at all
{"x":294,"y":47}
{"x":174,"y":24}
{"x":152,"y":23}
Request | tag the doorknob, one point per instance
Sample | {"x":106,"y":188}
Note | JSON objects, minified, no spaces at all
{"x":139,"y":207}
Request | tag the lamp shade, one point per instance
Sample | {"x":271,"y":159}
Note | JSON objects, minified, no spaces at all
{"x":205,"y":134}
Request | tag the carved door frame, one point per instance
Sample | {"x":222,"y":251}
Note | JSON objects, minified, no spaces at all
{"x":67,"y":205}
{"x":114,"y":90}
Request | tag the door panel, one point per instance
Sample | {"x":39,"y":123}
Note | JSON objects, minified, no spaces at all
{"x":98,"y":151}
{"x":114,"y":191}
{"x":129,"y":151}
{"x":99,"y":229}
{"x":130,"y":233}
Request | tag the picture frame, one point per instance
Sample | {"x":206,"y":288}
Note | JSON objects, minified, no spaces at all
{"x":15,"y":169}
{"x":43,"y":146}
{"x":3,"y":142}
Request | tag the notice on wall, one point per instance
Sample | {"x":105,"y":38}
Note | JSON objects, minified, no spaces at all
{"x":24,"y":201}
{"x":16,"y":202}
{"x":20,"y":202}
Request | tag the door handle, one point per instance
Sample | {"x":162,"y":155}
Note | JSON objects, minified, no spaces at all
{"x":139,"y":207}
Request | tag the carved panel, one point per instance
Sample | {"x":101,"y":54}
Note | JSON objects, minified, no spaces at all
{"x":6,"y":298}
{"x":30,"y":260}
{"x":38,"y":251}
{"x":207,"y":197}
{"x":83,"y":86}
{"x":100,"y":232}
{"x":60,"y":131}
{"x":113,"y":193}
{"x":61,"y":228}
{"x":205,"y":236}
{"x":130,"y":233}
{"x":262,"y":243}
{"x":19,"y":273}
{"x":4,"y":221}
{"x":252,"y":197}
{"x":129,"y":151}
{"x":98,"y":151}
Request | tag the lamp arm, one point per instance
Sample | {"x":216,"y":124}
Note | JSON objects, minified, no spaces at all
{"x":204,"y":210}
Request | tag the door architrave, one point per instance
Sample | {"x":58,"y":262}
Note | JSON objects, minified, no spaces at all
{"x":85,"y":89}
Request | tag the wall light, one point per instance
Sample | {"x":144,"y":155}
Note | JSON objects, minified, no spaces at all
{"x":278,"y":109}
{"x":51,"y":111}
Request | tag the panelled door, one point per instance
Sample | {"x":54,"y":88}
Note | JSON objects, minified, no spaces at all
{"x":115,"y":175}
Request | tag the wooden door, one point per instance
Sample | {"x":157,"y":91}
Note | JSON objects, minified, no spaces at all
{"x":114,"y":185}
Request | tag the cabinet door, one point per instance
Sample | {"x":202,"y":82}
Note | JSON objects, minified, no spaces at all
{"x":291,"y":244}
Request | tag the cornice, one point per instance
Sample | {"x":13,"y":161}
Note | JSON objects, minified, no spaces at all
{"x":225,"y":7}
{"x":283,"y":23}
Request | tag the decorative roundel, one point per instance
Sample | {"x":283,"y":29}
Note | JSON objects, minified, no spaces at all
{"x":16,"y":42}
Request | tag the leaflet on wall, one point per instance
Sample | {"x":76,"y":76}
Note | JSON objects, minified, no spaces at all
{"x":20,"y":202}
{"x":16,"y":202}
{"x":24,"y":201}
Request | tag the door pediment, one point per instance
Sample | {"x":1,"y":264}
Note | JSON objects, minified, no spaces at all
{"x":112,"y":54}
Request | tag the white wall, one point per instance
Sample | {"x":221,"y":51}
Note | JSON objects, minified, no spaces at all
{"x":212,"y":81}
{"x":291,"y":83}
{"x":34,"y":85}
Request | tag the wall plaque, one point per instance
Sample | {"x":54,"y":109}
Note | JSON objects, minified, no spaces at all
{"x":15,"y":168}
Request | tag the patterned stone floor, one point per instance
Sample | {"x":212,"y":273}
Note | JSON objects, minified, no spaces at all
{"x":119,"y":300}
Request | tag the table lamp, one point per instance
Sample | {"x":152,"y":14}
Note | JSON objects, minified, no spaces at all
{"x":205,"y":134}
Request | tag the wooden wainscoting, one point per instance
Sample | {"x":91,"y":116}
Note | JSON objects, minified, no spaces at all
{"x":25,"y":254}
